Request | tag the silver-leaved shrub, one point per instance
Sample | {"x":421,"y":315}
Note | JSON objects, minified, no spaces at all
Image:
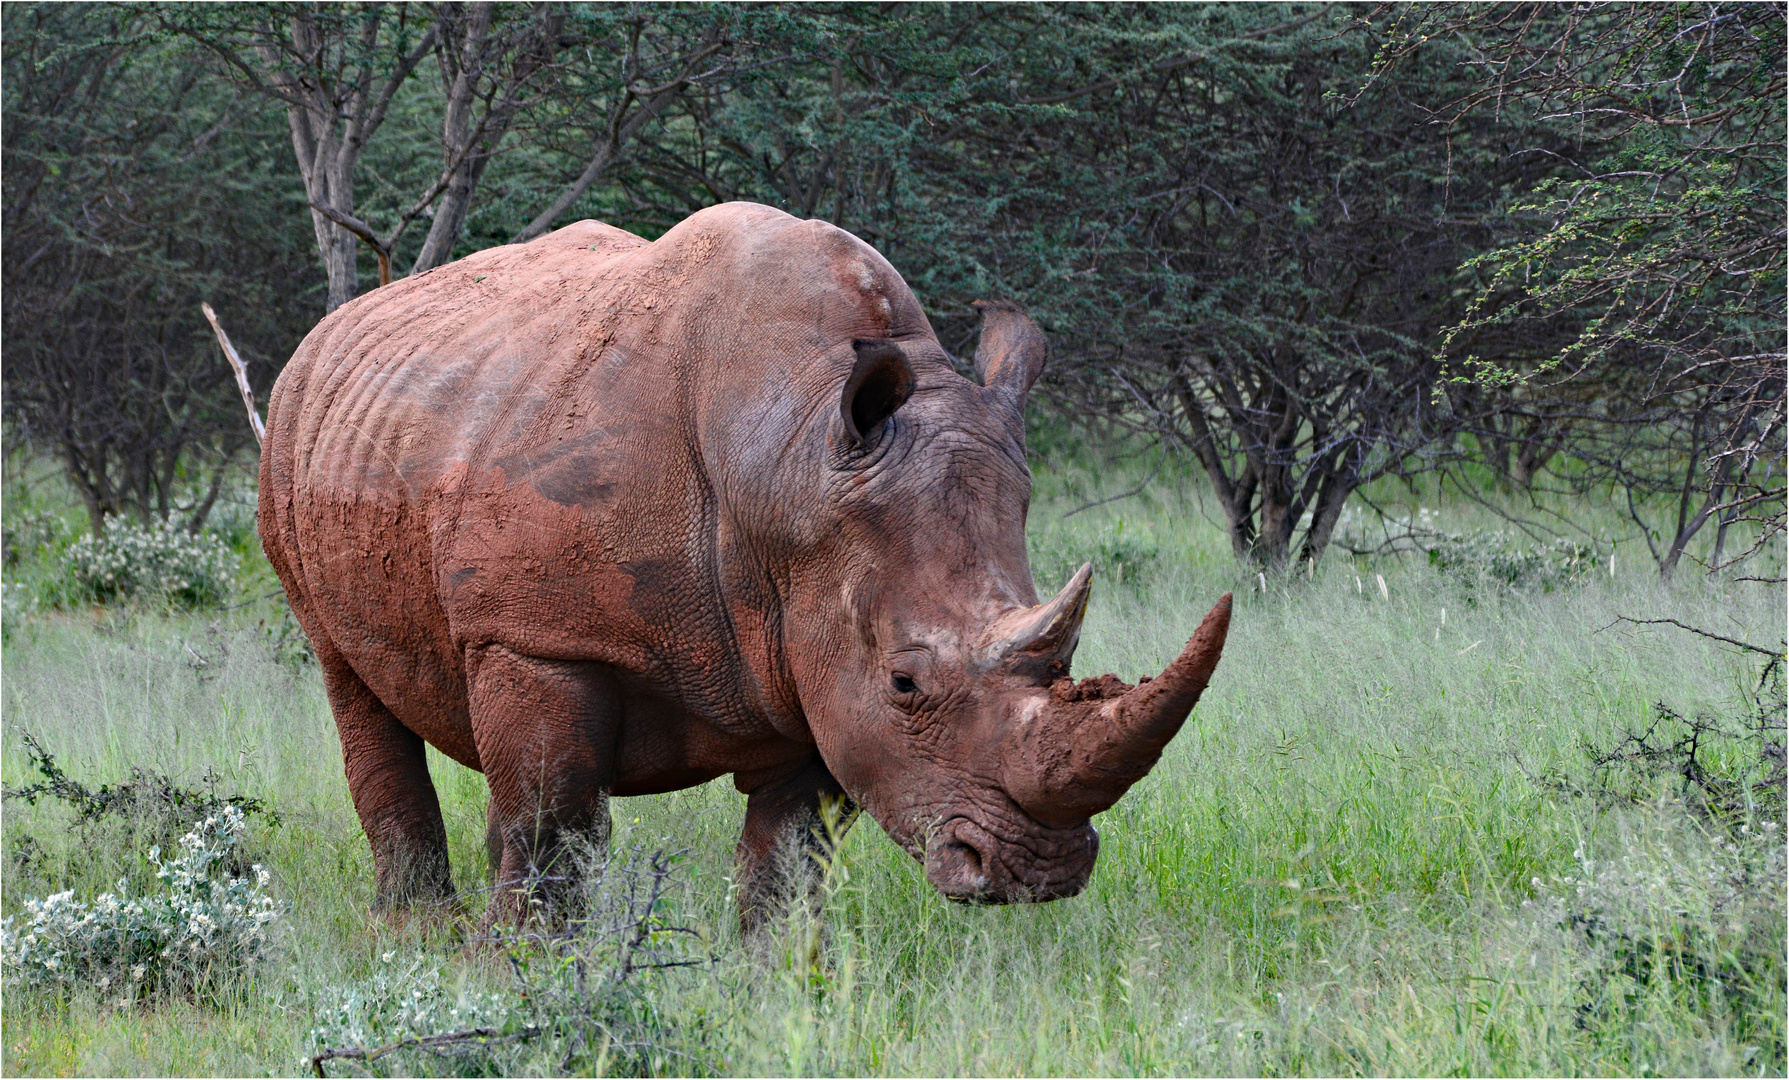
{"x":158,"y":560}
{"x":1498,"y":558}
{"x":203,"y":927}
{"x":409,"y":1000}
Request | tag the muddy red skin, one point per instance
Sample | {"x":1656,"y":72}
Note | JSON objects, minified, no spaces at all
{"x":600,"y":516}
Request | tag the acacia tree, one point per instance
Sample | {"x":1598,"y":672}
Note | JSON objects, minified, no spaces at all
{"x":490,"y":57}
{"x":1660,"y":246}
{"x":1289,"y":273}
{"x":336,"y":68}
{"x":540,"y":75}
{"x":634,"y":66}
{"x":134,"y":188}
{"x":1230,"y":258}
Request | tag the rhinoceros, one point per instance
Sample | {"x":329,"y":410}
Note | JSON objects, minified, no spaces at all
{"x":598,"y":516}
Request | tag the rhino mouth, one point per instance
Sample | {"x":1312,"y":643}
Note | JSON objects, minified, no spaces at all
{"x":972,"y":864}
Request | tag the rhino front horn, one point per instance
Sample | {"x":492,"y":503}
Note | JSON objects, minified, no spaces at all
{"x":1093,"y":740}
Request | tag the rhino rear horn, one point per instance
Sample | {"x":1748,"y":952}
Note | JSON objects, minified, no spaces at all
{"x":1048,"y":632}
{"x":1012,"y":350}
{"x":880,"y":382}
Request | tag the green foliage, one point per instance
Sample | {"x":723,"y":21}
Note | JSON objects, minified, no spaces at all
{"x":35,"y":535}
{"x":1501,"y":558}
{"x":138,"y":184}
{"x":113,"y":823}
{"x":1731,"y":769}
{"x":1692,"y":932}
{"x":157,"y":561}
{"x":407,"y":1001}
{"x":146,"y":796}
{"x":1669,"y":238}
{"x":1630,"y":309}
{"x":1309,"y":248}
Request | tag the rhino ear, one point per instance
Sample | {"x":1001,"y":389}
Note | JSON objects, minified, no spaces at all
{"x":1011,"y":353}
{"x":881,"y":381}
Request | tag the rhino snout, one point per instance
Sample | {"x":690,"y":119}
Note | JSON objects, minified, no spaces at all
{"x":970,"y":864}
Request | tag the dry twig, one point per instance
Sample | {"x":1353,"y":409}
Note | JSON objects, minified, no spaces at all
{"x":236,"y":365}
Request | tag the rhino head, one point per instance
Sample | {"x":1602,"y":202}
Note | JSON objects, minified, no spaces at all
{"x":935,"y":682}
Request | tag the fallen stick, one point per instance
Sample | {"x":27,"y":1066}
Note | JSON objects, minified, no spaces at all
{"x":236,"y":365}
{"x":434,"y":1044}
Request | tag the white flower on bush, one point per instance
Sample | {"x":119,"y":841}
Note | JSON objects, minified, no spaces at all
{"x":126,"y":559}
{"x":401,"y":1002}
{"x":203,"y":925}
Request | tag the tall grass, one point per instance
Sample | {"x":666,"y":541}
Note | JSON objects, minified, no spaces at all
{"x":1376,"y":847}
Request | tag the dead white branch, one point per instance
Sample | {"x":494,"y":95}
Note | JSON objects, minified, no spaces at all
{"x":236,"y":365}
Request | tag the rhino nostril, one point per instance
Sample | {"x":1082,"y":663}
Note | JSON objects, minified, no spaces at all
{"x":956,"y":865}
{"x":969,"y":857}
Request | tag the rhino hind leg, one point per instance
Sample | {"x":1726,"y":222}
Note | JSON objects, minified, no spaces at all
{"x":794,"y":816}
{"x":493,"y":839}
{"x":546,"y":732}
{"x":388,"y":777}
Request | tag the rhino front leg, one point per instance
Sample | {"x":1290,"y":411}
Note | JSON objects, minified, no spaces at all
{"x":546,"y":734}
{"x":782,"y":850}
{"x":388,"y":777}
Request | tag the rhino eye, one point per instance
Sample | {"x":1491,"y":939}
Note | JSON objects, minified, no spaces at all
{"x":904,"y":685}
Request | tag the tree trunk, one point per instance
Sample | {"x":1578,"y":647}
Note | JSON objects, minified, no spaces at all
{"x":1688,"y":524}
{"x":468,"y":51}
{"x":339,"y":250}
{"x":1531,"y":457}
{"x":327,"y":154}
{"x":1237,"y":495}
{"x":462,"y":56}
{"x":1331,"y":499}
{"x":1273,"y":543}
{"x":326,"y":182}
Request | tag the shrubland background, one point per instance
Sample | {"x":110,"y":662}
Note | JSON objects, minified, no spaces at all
{"x":1450,"y":338}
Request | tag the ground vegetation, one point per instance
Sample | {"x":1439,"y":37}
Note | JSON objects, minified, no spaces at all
{"x":1509,"y":821}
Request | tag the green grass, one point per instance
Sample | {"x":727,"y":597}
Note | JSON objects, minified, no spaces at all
{"x":1331,"y":871}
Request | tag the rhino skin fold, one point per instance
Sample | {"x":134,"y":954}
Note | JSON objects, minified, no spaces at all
{"x":597,"y":516}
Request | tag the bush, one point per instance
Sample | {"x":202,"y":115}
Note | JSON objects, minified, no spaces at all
{"x":579,"y":1005}
{"x":35,"y":540}
{"x":113,"y":824}
{"x":1495,"y":557}
{"x":1117,"y":556}
{"x":406,"y":1007}
{"x":232,"y":519}
{"x":156,"y":561}
{"x":1730,"y":771}
{"x":1695,"y":927}
{"x":146,"y":796}
{"x":203,"y":927}
{"x":33,"y":535}
{"x":1698,"y":922}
